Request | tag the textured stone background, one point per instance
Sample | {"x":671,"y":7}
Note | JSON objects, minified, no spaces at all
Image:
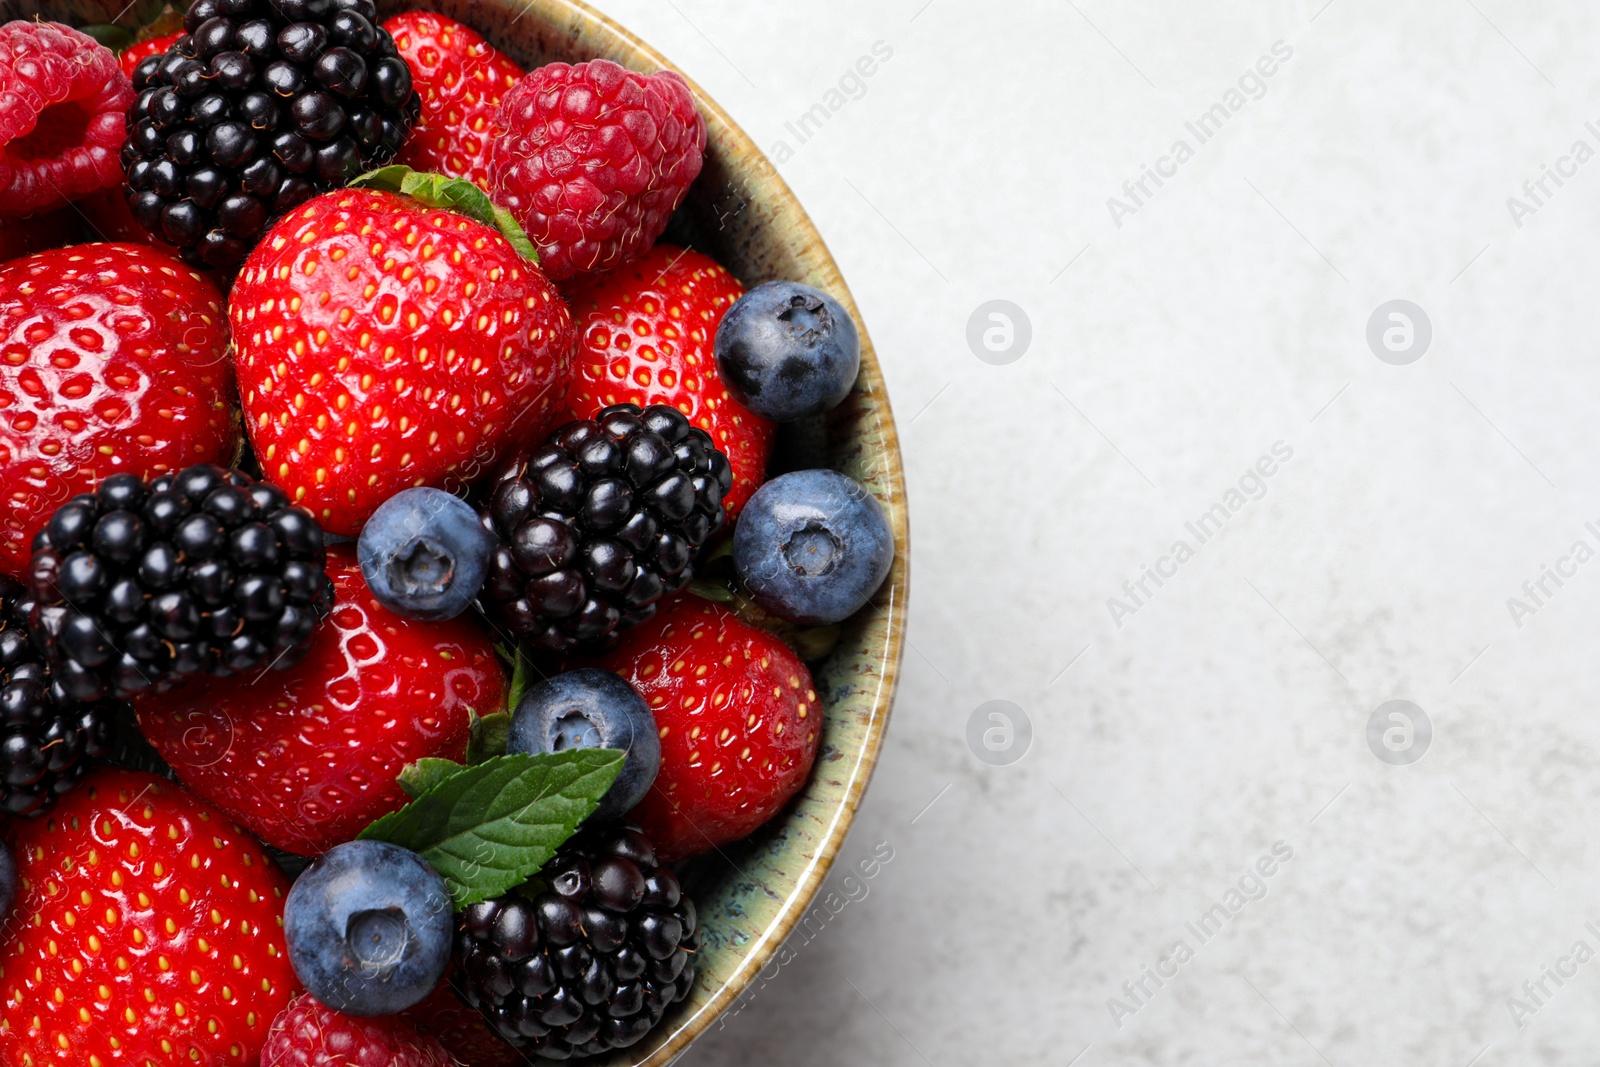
{"x":1226,"y":314}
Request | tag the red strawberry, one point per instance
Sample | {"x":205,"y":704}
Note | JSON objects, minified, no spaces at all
{"x":307,"y":1034}
{"x":63,"y":103}
{"x":155,"y":46}
{"x":461,"y":78}
{"x":148,"y":931}
{"x":113,"y":358}
{"x":593,"y":159}
{"x":645,"y":335}
{"x":739,"y":720}
{"x":307,"y":757}
{"x":382,"y":344}
{"x":461,"y":1030}
{"x":35,"y":233}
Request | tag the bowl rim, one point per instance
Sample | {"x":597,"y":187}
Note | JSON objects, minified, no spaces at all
{"x":891,"y":599}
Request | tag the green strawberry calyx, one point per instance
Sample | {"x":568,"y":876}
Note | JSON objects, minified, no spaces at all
{"x":451,"y":194}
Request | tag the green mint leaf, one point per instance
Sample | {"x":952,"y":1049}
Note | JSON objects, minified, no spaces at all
{"x":419,"y":777}
{"x":487,"y":828}
{"x":453,"y":194}
{"x":114,"y":37}
{"x":490,"y":733}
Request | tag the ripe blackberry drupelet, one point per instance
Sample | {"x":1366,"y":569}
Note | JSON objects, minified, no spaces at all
{"x":259,"y":106}
{"x":600,"y":522}
{"x":592,"y":963}
{"x":46,"y":744}
{"x":139,"y":586}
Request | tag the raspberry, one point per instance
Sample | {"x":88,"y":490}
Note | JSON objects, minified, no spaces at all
{"x":463,"y":1032}
{"x":62,"y":100}
{"x":593,"y":159}
{"x":306,"y":1034}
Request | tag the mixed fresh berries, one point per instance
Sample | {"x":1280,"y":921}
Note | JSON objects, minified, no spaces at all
{"x":593,"y":159}
{"x":591,"y":963}
{"x":383,"y":344}
{"x":600,"y":522}
{"x":104,"y":216}
{"x":461,"y":1029}
{"x":646,"y":334}
{"x":307,"y":757}
{"x":139,"y":586}
{"x":259,"y":106}
{"x":461,"y":78}
{"x":135,"y":54}
{"x":147,"y":930}
{"x":481,"y":733}
{"x":62,"y":101}
{"x":113,"y":359}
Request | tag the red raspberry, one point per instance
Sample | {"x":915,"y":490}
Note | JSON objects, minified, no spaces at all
{"x":307,"y":1034}
{"x":155,"y":46}
{"x":461,"y":78}
{"x":593,"y":159}
{"x":62,"y":105}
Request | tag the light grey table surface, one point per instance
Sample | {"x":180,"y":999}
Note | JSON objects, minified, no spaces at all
{"x":1184,"y":732}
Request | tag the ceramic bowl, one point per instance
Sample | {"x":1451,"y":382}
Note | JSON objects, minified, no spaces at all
{"x":744,"y":216}
{"x":751,"y":895}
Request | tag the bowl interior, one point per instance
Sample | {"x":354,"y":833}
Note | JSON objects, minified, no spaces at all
{"x":742,"y":214}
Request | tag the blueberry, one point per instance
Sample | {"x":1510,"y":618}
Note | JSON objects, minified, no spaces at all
{"x":591,"y":708}
{"x":369,"y":927}
{"x":812,"y":546}
{"x":424,"y":554}
{"x":787,"y":350}
{"x":8,"y":883}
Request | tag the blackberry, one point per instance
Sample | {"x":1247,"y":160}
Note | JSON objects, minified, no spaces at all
{"x":599,"y":523}
{"x":46,"y":744}
{"x":589,"y":964}
{"x":259,"y":106}
{"x":140,"y":586}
